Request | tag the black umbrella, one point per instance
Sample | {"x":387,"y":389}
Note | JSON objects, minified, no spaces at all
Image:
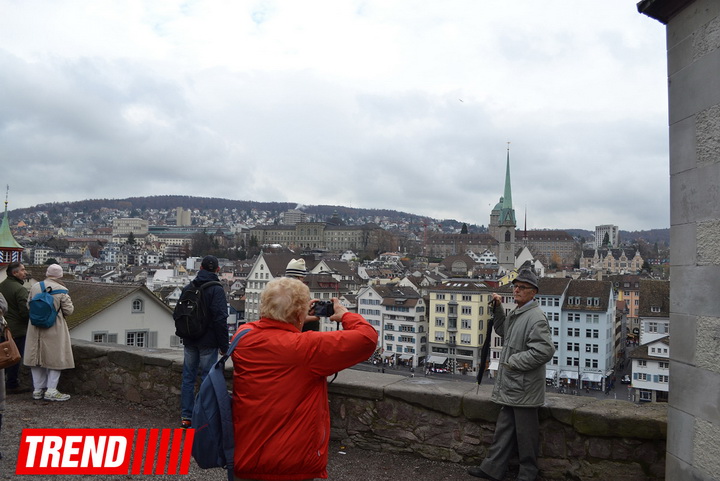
{"x":485,"y":351}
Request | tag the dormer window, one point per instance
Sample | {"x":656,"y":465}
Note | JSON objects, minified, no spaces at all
{"x":137,"y":305}
{"x":654,"y":308}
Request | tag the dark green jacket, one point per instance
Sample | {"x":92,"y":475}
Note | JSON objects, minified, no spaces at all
{"x":18,"y":315}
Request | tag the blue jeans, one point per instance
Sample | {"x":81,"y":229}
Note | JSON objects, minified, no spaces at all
{"x":198,"y":360}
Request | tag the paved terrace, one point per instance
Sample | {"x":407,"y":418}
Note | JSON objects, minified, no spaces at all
{"x":384,"y":426}
{"x":83,"y":411}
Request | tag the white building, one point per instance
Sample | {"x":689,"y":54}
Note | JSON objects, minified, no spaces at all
{"x":612,"y":232}
{"x":586,"y":343}
{"x":651,"y":371}
{"x":399,"y":316}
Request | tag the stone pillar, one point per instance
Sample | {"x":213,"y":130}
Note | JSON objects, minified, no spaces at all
{"x":693,"y":45}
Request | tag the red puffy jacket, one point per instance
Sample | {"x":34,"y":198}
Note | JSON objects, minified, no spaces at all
{"x":280,"y":402}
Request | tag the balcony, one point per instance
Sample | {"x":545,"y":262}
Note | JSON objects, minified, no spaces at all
{"x":581,"y":438}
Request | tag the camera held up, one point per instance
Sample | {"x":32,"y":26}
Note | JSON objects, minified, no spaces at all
{"x":323,"y":309}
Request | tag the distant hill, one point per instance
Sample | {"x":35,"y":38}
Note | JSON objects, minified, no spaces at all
{"x":661,"y":236}
{"x":169,"y":202}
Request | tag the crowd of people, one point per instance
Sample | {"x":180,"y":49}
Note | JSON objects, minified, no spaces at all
{"x":281,"y":415}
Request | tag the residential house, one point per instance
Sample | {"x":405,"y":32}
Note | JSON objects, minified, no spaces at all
{"x":651,"y":370}
{"x":123,"y":314}
{"x":654,"y":310}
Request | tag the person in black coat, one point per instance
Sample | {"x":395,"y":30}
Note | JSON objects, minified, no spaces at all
{"x":202,"y":353}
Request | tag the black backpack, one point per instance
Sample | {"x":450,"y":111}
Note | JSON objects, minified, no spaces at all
{"x":189,"y":314}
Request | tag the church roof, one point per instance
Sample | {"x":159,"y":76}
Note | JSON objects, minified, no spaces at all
{"x":7,"y":241}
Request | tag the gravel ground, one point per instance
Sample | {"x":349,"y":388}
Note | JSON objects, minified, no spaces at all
{"x":346,"y":463}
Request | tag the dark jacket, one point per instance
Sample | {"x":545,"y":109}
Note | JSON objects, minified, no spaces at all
{"x":215,"y":304}
{"x":18,"y":315}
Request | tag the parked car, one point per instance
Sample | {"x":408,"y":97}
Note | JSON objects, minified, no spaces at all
{"x":626,"y":379}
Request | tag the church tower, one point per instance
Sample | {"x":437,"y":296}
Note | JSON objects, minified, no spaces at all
{"x":502,"y":224}
{"x":10,"y":250}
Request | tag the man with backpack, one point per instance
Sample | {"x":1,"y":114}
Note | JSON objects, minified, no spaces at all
{"x":203,"y":342}
{"x":17,"y":316}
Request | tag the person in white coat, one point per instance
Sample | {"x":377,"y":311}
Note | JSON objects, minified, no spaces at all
{"x":48,"y":349}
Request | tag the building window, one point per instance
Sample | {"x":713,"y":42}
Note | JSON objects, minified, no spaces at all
{"x":136,"y":338}
{"x":100,"y":337}
{"x":642,"y":363}
{"x":439,"y":308}
{"x":439,"y":336}
{"x":439,"y":322}
{"x":137,"y":305}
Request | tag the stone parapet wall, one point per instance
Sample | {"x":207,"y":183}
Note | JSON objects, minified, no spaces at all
{"x":581,"y":438}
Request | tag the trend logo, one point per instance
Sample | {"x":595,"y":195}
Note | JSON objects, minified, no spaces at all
{"x":105,"y":451}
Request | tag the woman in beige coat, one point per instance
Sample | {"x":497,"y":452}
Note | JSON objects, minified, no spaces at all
{"x":48,"y":349}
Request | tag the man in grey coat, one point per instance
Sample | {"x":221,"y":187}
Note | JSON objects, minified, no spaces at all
{"x":520,"y":381}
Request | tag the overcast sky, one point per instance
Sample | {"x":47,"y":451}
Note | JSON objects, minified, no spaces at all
{"x":404,"y":105}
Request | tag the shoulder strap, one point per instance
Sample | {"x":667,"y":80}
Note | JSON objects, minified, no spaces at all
{"x":220,"y":388}
{"x":233,"y":343}
{"x":42,"y":286}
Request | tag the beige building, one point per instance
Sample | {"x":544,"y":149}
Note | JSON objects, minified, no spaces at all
{"x":321,"y":235}
{"x":123,"y":227}
{"x":612,"y":261}
{"x":458,"y":316}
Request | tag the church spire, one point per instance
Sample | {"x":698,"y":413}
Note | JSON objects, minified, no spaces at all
{"x":10,"y":250}
{"x":507,"y":213}
{"x":507,"y":197}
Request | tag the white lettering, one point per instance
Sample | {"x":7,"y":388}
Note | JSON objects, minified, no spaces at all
{"x":51,"y":449}
{"x":117,"y":446}
{"x":33,"y":442}
{"x":94,"y":448}
{"x":70,"y":450}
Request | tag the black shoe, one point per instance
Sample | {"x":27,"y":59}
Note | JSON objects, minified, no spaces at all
{"x":479,"y":473}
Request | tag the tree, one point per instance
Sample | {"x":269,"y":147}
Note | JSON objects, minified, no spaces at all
{"x":131,"y":239}
{"x":464,"y":229}
{"x":606,"y":240}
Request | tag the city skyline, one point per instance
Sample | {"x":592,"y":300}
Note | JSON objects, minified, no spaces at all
{"x":361,"y":104}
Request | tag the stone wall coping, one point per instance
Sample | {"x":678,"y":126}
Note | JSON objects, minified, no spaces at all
{"x":590,"y":416}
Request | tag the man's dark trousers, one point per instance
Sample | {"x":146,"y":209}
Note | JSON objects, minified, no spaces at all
{"x":517,"y":429}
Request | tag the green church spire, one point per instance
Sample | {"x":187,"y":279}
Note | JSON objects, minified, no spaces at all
{"x":507,"y":214}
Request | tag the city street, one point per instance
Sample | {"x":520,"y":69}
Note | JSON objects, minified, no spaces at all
{"x":620,"y":391}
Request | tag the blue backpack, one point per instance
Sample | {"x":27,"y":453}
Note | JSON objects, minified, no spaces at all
{"x":214,"y":443}
{"x":42,"y":306}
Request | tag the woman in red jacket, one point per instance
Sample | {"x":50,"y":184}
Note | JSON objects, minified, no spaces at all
{"x":280,"y":402}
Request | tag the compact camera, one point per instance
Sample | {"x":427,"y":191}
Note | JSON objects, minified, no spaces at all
{"x":323,"y":309}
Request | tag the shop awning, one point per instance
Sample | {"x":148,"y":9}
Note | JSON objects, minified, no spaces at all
{"x":550,"y":373}
{"x":405,"y":357}
{"x":568,"y":375}
{"x":388,"y":354}
{"x":435,"y":360}
{"x":593,"y":377}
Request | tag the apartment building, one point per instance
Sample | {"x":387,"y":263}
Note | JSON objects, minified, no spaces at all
{"x":399,"y":315}
{"x":586,"y":347}
{"x":458,"y":317}
{"x":654,"y":310}
{"x":651,"y":371}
